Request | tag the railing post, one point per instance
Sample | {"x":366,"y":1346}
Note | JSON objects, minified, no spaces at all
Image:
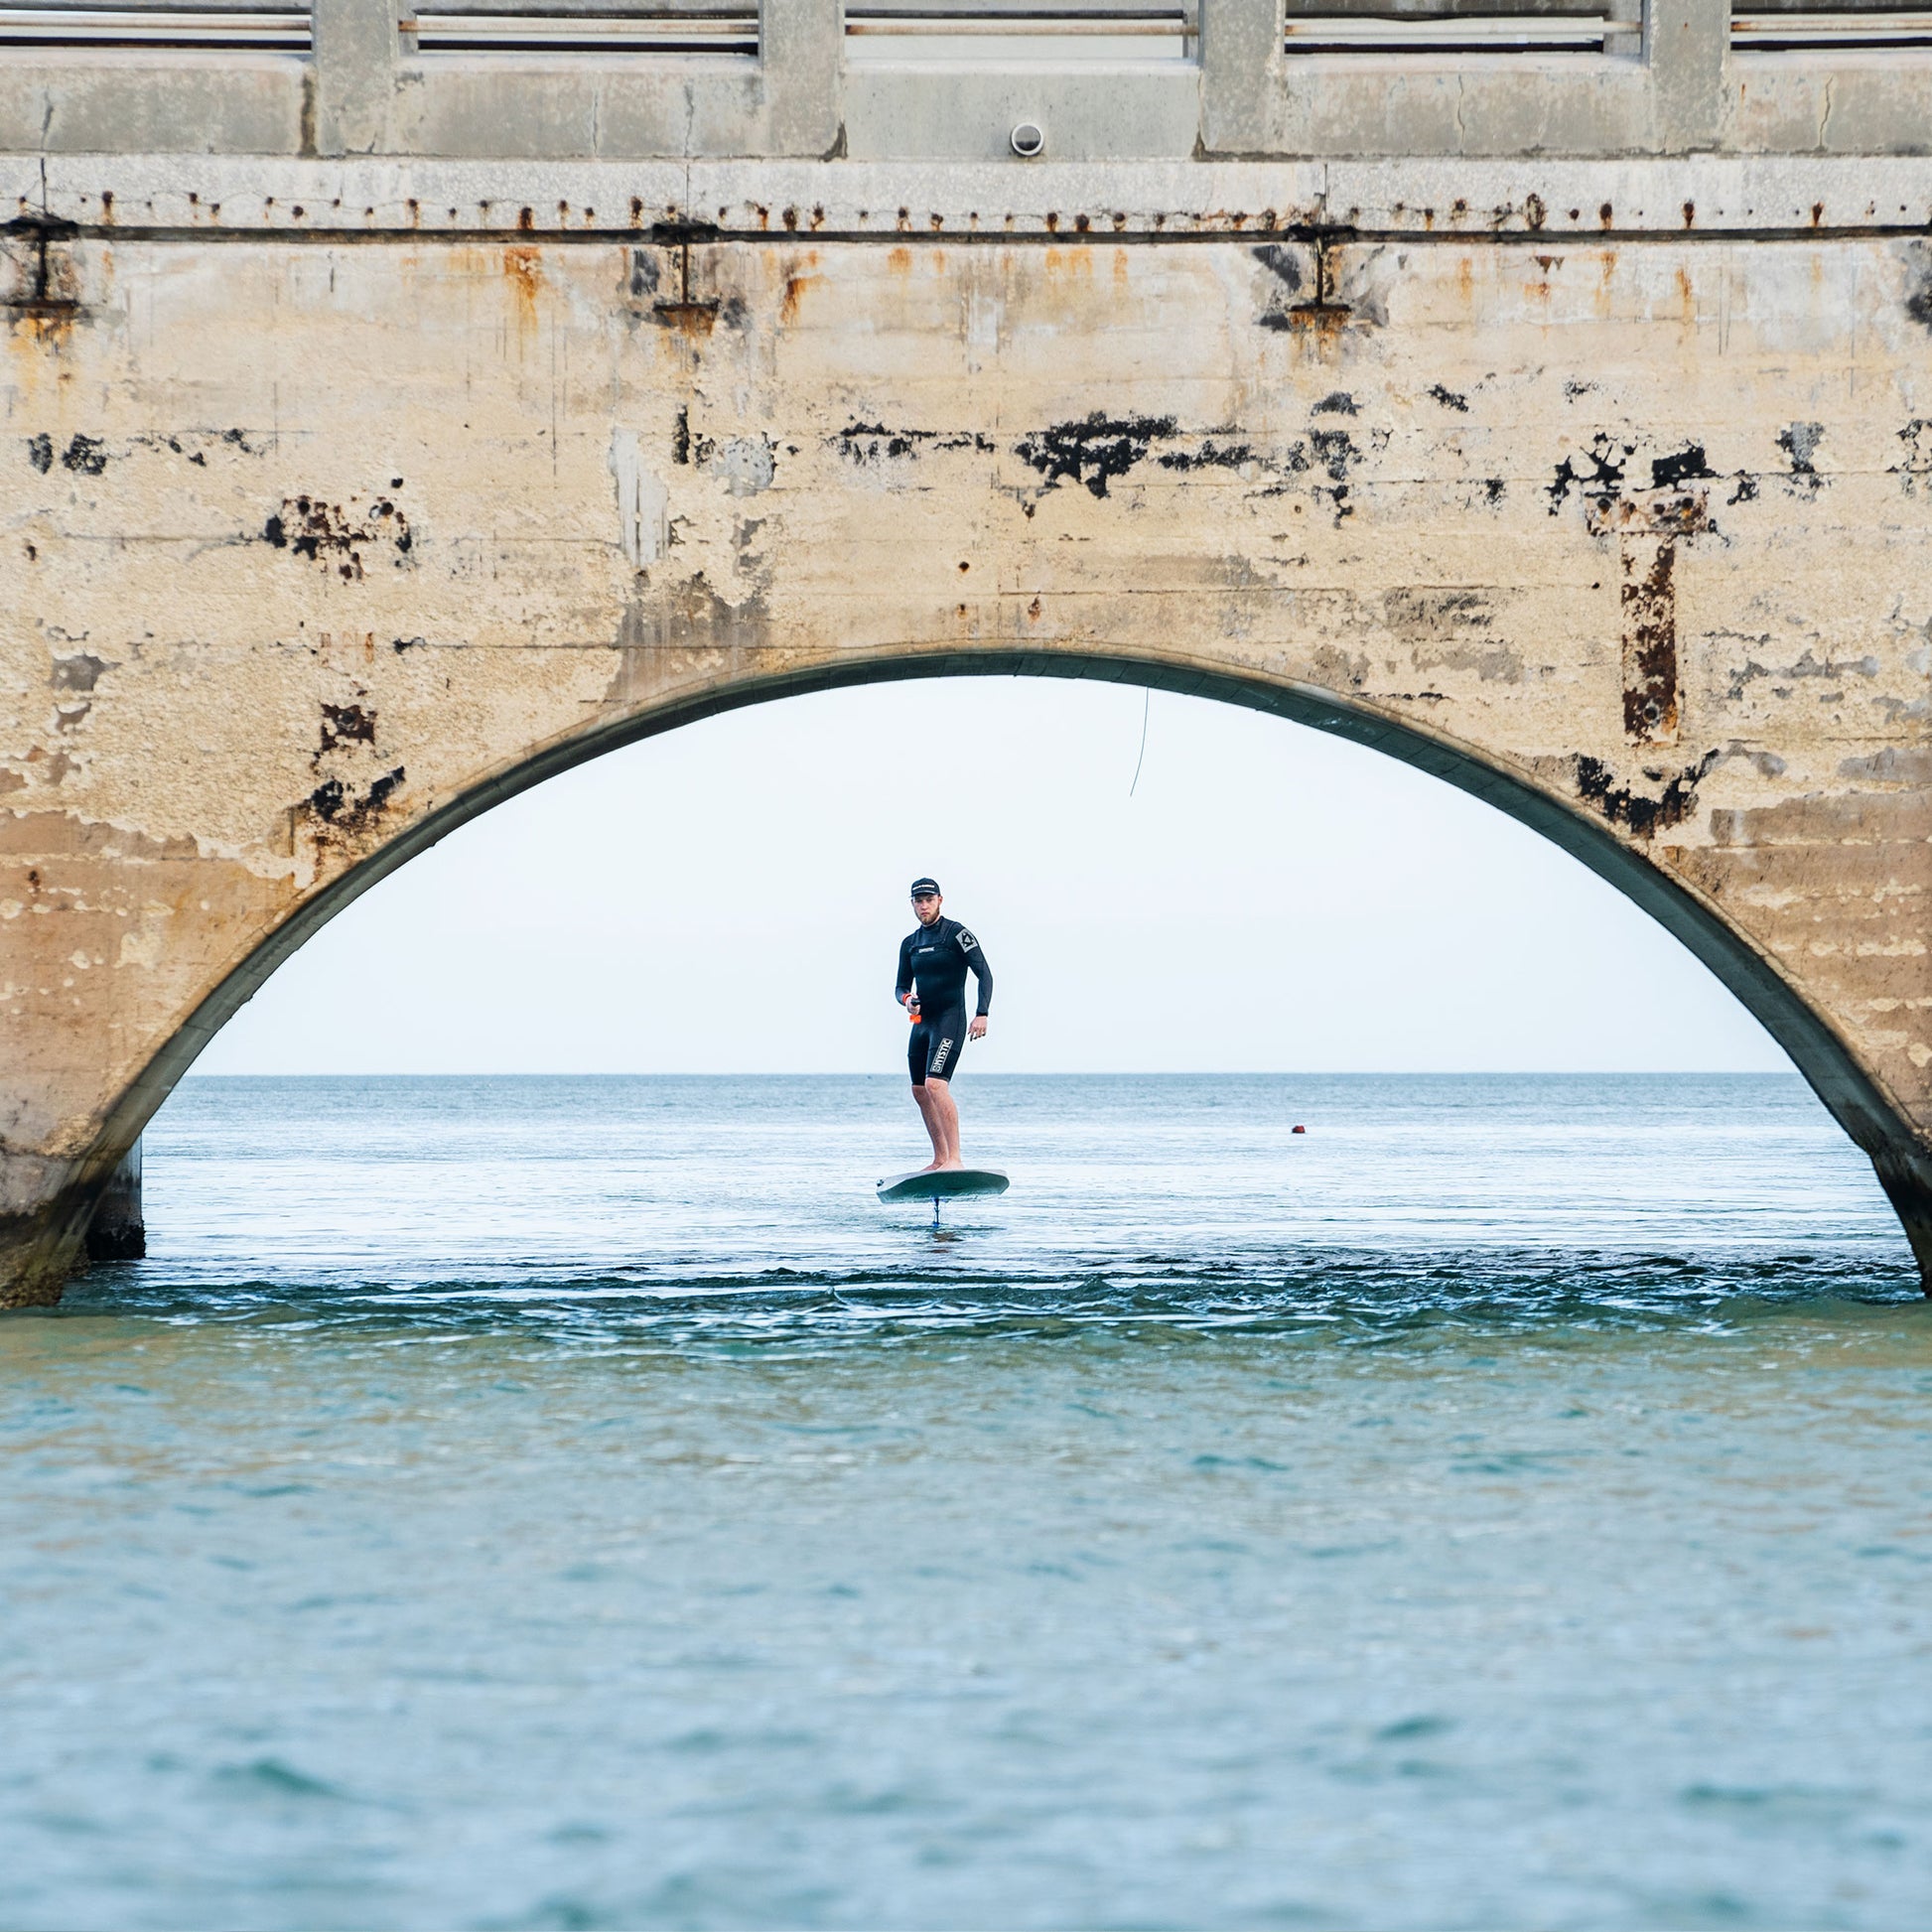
{"x":1243,"y":61}
{"x":801,"y":52}
{"x":1687,"y":43}
{"x":353,"y":74}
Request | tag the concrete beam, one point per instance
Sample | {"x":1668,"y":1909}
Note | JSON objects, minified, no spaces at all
{"x":1099,"y":112}
{"x":1685,"y":95}
{"x":1445,"y":199}
{"x":1687,"y":46}
{"x":802,"y":66}
{"x":1438,"y":107}
{"x":355,"y":76}
{"x":1827,"y":103}
{"x":185,"y":104}
{"x":1241,"y":57}
{"x":786,"y":103}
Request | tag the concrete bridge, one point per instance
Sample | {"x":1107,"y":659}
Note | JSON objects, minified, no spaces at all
{"x":402,"y":408}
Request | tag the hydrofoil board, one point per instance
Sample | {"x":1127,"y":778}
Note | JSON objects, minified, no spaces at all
{"x":950,"y":1183}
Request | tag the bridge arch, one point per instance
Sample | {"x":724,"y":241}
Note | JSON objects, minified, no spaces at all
{"x":328,"y":552}
{"x":1737,"y":961}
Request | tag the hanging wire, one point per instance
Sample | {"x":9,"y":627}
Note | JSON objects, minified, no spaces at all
{"x":1147,"y":704}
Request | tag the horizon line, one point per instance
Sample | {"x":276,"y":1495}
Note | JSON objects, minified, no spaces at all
{"x":1052,"y":1074}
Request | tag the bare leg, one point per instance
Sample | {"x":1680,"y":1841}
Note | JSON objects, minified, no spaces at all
{"x":924,"y":1096}
{"x":943,"y":1121}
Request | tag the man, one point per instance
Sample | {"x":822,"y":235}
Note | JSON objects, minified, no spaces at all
{"x":933,"y":961}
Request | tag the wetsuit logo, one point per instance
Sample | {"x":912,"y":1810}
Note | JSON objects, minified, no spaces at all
{"x":939,"y":1059}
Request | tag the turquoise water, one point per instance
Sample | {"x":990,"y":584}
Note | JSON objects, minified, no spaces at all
{"x":523,"y":1503}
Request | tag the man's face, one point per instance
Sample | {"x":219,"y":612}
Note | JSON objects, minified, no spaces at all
{"x":927,"y":906}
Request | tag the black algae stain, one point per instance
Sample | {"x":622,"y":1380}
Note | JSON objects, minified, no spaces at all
{"x":867,"y":441}
{"x":334,"y":804}
{"x":324,"y":533}
{"x":40,"y":452}
{"x":1668,"y":471}
{"x":1280,"y":263}
{"x":1597,"y":785}
{"x":1210,"y":456}
{"x":1799,"y":443}
{"x":328,"y":799}
{"x":871,"y":443}
{"x":1094,"y":450}
{"x":85,"y":456}
{"x":1450,"y":399}
{"x":1335,"y":450}
{"x":1337,"y":403}
{"x":1918,"y":305}
{"x":1602,"y":482}
{"x":1284,"y":265}
{"x":346,"y":724}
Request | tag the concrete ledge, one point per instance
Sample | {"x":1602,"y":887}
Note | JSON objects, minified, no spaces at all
{"x":1836,"y":102}
{"x":489,"y":107}
{"x":1439,"y":198}
{"x":63,"y":102}
{"x":536,"y":107}
{"x":927,"y":112}
{"x":1689,"y":95}
{"x":1484,"y":104}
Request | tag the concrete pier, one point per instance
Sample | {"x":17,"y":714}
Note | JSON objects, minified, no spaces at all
{"x":119,"y":1232}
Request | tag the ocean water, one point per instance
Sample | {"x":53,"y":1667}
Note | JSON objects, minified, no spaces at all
{"x":578,"y":1503}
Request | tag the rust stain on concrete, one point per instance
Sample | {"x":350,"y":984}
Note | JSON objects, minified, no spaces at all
{"x":524,"y":272}
{"x":1650,"y":600}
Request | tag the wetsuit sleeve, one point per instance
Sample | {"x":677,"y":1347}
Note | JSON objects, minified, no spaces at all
{"x":904,"y":967}
{"x":976,"y":959}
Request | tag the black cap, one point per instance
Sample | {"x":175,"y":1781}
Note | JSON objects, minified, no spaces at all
{"x":925,"y":886}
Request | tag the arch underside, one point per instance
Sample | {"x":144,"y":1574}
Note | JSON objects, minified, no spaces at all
{"x":1853,"y":1099}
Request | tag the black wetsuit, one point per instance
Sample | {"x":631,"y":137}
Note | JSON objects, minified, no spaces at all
{"x":937,"y":957}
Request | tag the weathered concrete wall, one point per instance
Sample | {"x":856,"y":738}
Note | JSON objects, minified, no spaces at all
{"x":316,"y":544}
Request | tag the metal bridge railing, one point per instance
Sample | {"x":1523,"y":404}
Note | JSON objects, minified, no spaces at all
{"x":624,"y":27}
{"x":150,"y":24}
{"x":620,"y":27}
{"x":1448,"y":27}
{"x":1029,"y":33}
{"x":1819,"y":25}
{"x":1024,"y":32}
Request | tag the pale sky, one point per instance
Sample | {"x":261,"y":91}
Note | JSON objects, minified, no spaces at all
{"x":730,"y":898}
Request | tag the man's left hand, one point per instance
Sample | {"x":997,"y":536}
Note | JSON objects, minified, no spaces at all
{"x":976,"y":1031}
